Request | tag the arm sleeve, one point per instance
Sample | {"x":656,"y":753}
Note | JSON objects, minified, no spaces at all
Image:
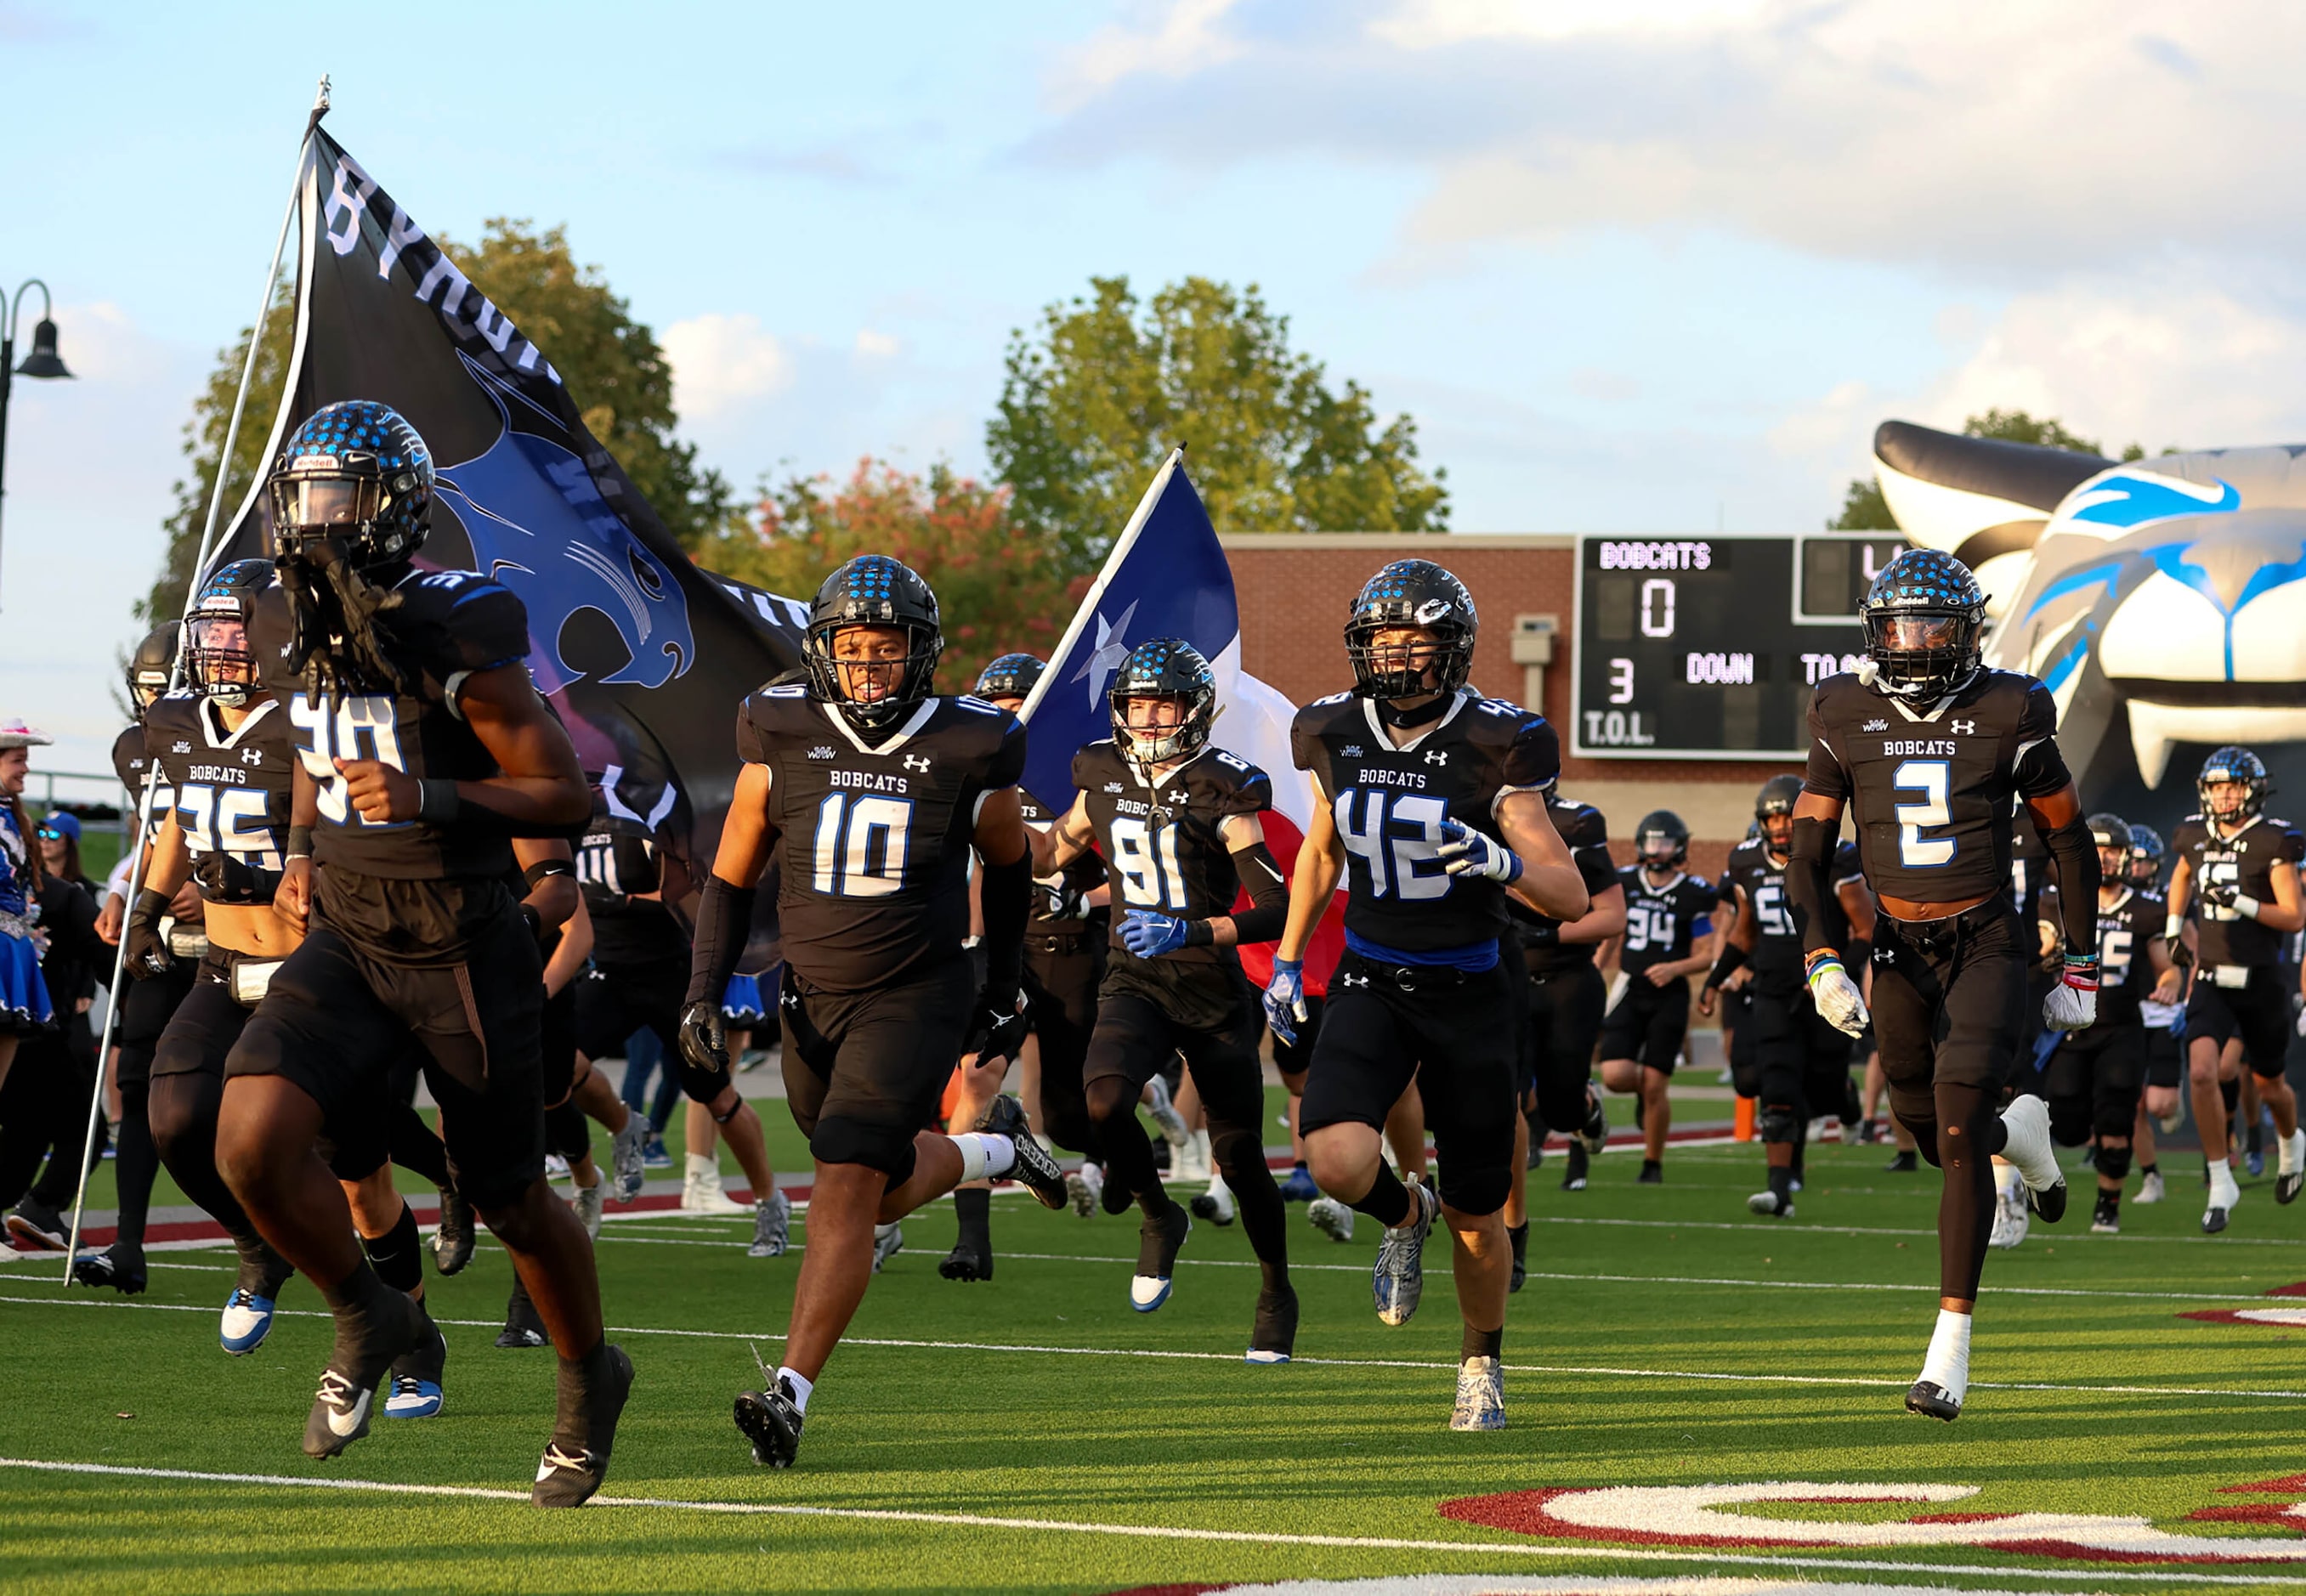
{"x":2036,"y":762}
{"x":2073,"y":855}
{"x":1808,"y":886}
{"x":724,"y":920}
{"x":1268,"y":895}
{"x":1004,"y":893}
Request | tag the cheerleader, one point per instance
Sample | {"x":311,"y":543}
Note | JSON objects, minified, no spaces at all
{"x":24,"y":1006}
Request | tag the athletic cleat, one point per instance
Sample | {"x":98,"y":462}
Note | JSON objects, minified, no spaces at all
{"x":120,"y":1266}
{"x":1595,"y":1132}
{"x":1300,"y":1187}
{"x":1904,"y":1162}
{"x":412,"y":1398}
{"x":1933,"y":1400}
{"x":453,"y":1242}
{"x":2168,"y":1123}
{"x":2152,"y":1189}
{"x":1034,"y":1170}
{"x":1216,"y":1204}
{"x":1398,"y":1279}
{"x":2286,"y":1187}
{"x":1480,"y":1396}
{"x":2026,"y":1143}
{"x":247,"y":1321}
{"x":345,"y":1402}
{"x":556,"y":1167}
{"x":2106,"y":1218}
{"x":771,"y":1421}
{"x":587,"y":1203}
{"x":339,"y":1415}
{"x":1083,"y":1188}
{"x":571,"y":1472}
{"x":773,"y":1226}
{"x":1159,"y":1238}
{"x":1573,"y":1178}
{"x":1652,"y":1174}
{"x":524,"y":1326}
{"x":1275,"y":1337}
{"x":966,"y":1262}
{"x":888,"y":1240}
{"x":1331,"y":1217}
{"x":2225,"y":1196}
{"x":2214,"y":1220}
{"x":35,"y":1227}
{"x":655,"y":1155}
{"x":2010,"y":1222}
{"x":1771,"y":1204}
{"x":629,"y":1158}
{"x":1163,"y":1110}
{"x":2254,"y":1161}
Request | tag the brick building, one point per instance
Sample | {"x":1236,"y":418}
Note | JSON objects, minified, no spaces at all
{"x":1294,"y":590}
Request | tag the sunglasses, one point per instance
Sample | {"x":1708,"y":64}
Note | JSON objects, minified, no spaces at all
{"x":49,"y":833}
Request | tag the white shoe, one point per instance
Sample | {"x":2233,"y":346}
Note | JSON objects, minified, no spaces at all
{"x":701,"y":1193}
{"x":888,"y":1240}
{"x":1331,"y":1217}
{"x":1086,"y":1187}
{"x":2168,"y":1123}
{"x":2027,"y":1145}
{"x":2225,"y":1196}
{"x":1769,"y":1204}
{"x":2011,"y":1220}
{"x":1214,"y":1205}
{"x":2150,"y":1188}
{"x":556,"y":1167}
{"x":1165,"y":1113}
{"x":587,"y":1204}
{"x":1191,"y":1163}
{"x":1480,"y":1396}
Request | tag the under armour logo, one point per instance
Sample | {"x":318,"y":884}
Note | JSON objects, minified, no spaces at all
{"x":1437,"y":757}
{"x":1964,"y":728}
{"x":251,"y":756}
{"x":916,"y":762}
{"x":1354,"y":980}
{"x":1108,"y":655}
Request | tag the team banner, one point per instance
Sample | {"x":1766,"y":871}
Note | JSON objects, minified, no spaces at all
{"x":643,"y":656}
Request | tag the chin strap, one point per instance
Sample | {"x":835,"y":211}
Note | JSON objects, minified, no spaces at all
{"x":1423,"y":714}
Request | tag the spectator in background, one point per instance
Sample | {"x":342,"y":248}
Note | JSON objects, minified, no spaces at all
{"x":24,"y":1006}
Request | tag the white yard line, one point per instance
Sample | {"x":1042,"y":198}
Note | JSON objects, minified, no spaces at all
{"x":1591,"y":1551}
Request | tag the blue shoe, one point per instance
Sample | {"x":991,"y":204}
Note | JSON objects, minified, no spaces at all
{"x":247,"y":1321}
{"x":1299,"y":1187}
{"x":1158,"y":1240}
{"x":412,"y":1398}
{"x":654,"y":1157}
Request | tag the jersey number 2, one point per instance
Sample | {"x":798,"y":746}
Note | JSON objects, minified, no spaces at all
{"x":1933,"y":779}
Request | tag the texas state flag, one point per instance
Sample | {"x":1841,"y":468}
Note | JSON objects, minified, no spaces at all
{"x":1168,"y":577}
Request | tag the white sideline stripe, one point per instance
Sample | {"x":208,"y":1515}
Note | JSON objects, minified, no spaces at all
{"x":1181,"y":1355}
{"x":1592,"y":1550}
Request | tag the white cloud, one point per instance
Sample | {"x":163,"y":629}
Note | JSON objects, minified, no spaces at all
{"x":876,"y":346}
{"x":720,"y":362}
{"x":1176,"y":37}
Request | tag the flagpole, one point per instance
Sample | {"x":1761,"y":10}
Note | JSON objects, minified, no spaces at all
{"x":117,"y":993}
{"x":1120,"y":551}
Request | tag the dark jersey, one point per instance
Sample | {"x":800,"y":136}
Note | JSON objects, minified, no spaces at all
{"x":2245,"y":862}
{"x":1661,"y":922}
{"x":1586,"y":834}
{"x":874,"y":841}
{"x":1084,"y":874}
{"x":232,"y":791}
{"x":1164,"y":847}
{"x":130,"y":764}
{"x":1933,"y":797}
{"x":2125,"y":969}
{"x":448,"y":625}
{"x":1388,"y":803}
{"x":619,"y":859}
{"x":1761,"y":881}
{"x":2029,"y":867}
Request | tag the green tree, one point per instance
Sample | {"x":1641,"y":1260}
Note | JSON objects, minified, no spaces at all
{"x":1094,"y":401}
{"x":998,"y":587}
{"x":611,"y":363}
{"x":1863,"y":508}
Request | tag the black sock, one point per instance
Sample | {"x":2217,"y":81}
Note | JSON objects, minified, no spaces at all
{"x":137,"y":1164}
{"x":1388,"y":1201}
{"x":1801,"y":1144}
{"x":2257,"y":1137}
{"x":974,"y":1205}
{"x":1129,"y":1169}
{"x":397,"y":1255}
{"x":1518,"y":1235}
{"x":2146,"y":1169}
{"x":1781,"y":1184}
{"x":1482,"y":1343}
{"x":1239,"y":1155}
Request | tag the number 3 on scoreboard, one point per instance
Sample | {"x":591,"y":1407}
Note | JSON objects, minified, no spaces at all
{"x":1932,"y":778}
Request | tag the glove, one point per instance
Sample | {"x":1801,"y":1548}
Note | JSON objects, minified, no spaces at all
{"x":998,"y":1030}
{"x":1465,"y":851}
{"x":1620,"y":986}
{"x":2219,"y":894}
{"x":704,"y":1051}
{"x":1285,"y":998}
{"x":2072,"y":1003}
{"x":147,"y":951}
{"x":1060,"y":898}
{"x":1836,"y":995}
{"x":1150,"y":935}
{"x":1540,"y":933}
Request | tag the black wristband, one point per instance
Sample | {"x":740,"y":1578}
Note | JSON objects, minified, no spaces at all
{"x":545,"y":868}
{"x":1198,"y":934}
{"x":1726,"y":965}
{"x":150,"y":904}
{"x":300,"y":842}
{"x":536,"y":920}
{"x":438,"y":802}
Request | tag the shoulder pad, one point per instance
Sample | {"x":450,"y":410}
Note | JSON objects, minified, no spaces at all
{"x":1581,"y":826}
{"x":459,"y":621}
{"x":768,"y":718}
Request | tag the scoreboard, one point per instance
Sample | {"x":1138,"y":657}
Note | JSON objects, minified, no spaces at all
{"x":1708,"y":647}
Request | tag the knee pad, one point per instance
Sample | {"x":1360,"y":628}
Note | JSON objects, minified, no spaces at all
{"x":181,"y":1111}
{"x":701,"y":1086}
{"x":1478,"y":1192}
{"x":2231,"y":1090}
{"x":1110,"y":1097}
{"x":2114,"y":1161}
{"x":839,"y":1140}
{"x":1780,"y":1123}
{"x":2070,"y":1122}
{"x":397,"y":1253}
{"x":1236,"y":1150}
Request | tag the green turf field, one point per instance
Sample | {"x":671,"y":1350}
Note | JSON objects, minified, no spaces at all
{"x":1034,"y":1434}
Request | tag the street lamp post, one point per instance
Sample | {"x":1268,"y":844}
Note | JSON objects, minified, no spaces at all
{"x":43,"y":362}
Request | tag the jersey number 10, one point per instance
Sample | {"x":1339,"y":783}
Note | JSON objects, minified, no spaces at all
{"x":860,"y":845}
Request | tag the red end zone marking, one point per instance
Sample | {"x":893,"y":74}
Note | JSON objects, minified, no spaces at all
{"x":2290,"y":1319}
{"x":2298,"y":1290}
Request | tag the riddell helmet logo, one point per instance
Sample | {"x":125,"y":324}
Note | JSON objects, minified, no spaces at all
{"x":1432,"y":611}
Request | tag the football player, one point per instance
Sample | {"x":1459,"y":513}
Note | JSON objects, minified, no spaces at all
{"x":1669,"y":937}
{"x":1432,"y":799}
{"x":1933,"y":753}
{"x":1799,"y":1061}
{"x":2095,"y":1076}
{"x":423,"y":750}
{"x":1567,"y":996}
{"x":1176,"y":818}
{"x":2237,"y":870}
{"x":2163,"y":1107}
{"x":871,"y":790}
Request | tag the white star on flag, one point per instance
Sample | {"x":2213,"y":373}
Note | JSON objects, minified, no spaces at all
{"x":1110,"y":652}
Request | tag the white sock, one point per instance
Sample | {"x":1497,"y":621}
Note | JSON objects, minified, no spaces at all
{"x":2288,"y":1154}
{"x":1218,"y":1183}
{"x":2222,"y":1183}
{"x":1948,"y":1363}
{"x":984,"y":1155}
{"x":2007,"y":1180}
{"x":801,"y":1386}
{"x":703,"y":1163}
{"x":1202,"y":1148}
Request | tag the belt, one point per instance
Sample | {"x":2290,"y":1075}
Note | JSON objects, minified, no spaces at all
{"x":1946,"y":931}
{"x":1057,"y":941}
{"x":1406,"y":978}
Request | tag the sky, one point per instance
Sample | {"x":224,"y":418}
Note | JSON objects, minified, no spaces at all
{"x":1634,"y":265}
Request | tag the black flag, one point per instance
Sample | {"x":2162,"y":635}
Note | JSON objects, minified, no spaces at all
{"x":644,"y":657}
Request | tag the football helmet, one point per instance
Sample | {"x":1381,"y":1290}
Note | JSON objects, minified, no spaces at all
{"x":1661,"y":840}
{"x":356,"y":473}
{"x":1164,"y":668}
{"x":1411,"y":592}
{"x":874,"y":590}
{"x":2235,"y":766}
{"x":1923,"y":616}
{"x":2145,"y":856}
{"x":220,"y":653}
{"x":1011,"y":675}
{"x":154,"y":665}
